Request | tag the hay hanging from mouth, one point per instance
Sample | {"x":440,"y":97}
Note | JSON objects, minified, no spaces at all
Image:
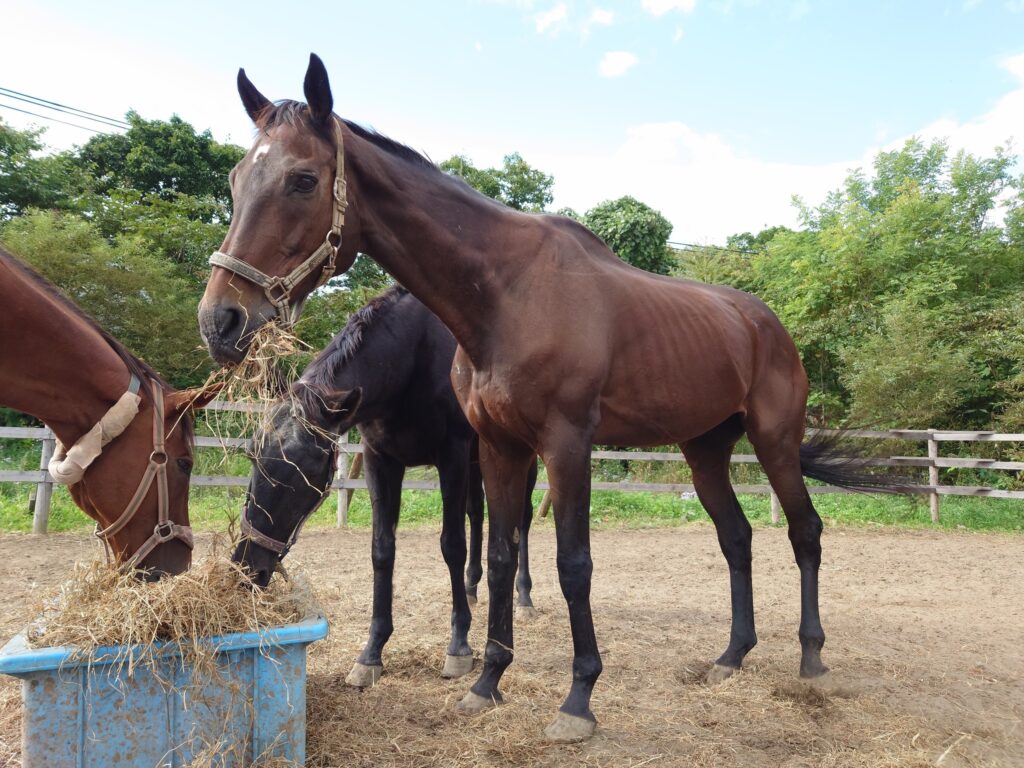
{"x":276,"y":358}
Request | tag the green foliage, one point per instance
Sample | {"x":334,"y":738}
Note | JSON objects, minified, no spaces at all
{"x":29,"y":181}
{"x":516,"y":183}
{"x":132,"y":293}
{"x":899,"y":291}
{"x":634,"y":231}
{"x":159,"y":157}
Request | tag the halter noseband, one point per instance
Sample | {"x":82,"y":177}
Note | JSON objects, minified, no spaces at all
{"x":280,"y":548}
{"x":279,"y":289}
{"x":164,"y":530}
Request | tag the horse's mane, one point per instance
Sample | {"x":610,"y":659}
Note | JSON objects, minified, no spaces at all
{"x":137,"y":367}
{"x":318,"y":379}
{"x":289,"y":112}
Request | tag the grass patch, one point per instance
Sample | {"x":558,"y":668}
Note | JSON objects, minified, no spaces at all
{"x":213,"y":508}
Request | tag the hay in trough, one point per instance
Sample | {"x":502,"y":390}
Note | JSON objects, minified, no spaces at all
{"x":104,"y":606}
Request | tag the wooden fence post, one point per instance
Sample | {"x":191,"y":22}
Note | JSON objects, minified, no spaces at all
{"x":775,"y":507}
{"x":44,"y":491}
{"x":545,"y":504}
{"x":341,"y":519}
{"x":933,"y":476}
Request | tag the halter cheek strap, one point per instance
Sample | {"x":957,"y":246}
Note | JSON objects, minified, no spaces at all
{"x":68,"y":466}
{"x":278,"y":289}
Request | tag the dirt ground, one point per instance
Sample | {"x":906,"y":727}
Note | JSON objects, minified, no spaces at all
{"x":924,"y":641}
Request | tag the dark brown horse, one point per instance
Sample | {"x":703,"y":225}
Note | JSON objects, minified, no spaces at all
{"x":126,"y":437}
{"x":562,"y":345}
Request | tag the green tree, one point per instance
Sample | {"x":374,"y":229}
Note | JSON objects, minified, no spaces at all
{"x":516,"y":183}
{"x":28,"y":180}
{"x":635,"y":231}
{"x":161,"y":157}
{"x":133,"y":294}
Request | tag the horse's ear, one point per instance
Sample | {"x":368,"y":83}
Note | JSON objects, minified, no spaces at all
{"x":192,"y":399}
{"x":254,"y":101}
{"x":318,"y":90}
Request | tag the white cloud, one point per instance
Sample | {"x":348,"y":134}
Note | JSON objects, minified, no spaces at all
{"x":617,"y":63}
{"x":478,"y":46}
{"x":553,"y":20}
{"x":677,"y":35}
{"x":710,"y":189}
{"x":661,"y":7}
{"x":601,"y":17}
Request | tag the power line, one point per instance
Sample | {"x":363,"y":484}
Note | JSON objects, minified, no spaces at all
{"x":690,"y":246}
{"x":57,"y":106}
{"x":55,"y":120}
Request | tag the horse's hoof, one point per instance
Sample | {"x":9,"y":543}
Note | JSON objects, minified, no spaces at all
{"x":719,"y":673}
{"x":364,"y":676}
{"x":823,"y":682}
{"x":526,"y":613}
{"x":568,"y":729}
{"x":474,"y":704}
{"x":457,"y":666}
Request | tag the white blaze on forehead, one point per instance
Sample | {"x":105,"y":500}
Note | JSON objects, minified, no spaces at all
{"x":261,"y":150}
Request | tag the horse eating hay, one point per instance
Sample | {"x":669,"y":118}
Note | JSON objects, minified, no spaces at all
{"x":125,"y":438}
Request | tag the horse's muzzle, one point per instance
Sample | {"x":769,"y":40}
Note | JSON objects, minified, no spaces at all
{"x":223,"y":330}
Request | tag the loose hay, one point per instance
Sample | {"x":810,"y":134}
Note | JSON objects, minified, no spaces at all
{"x":103,"y":606}
{"x":149,"y":623}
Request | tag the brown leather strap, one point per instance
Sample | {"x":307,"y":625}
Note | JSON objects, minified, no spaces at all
{"x":164,"y":530}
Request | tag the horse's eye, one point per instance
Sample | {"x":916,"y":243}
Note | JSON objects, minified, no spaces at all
{"x":305,"y":183}
{"x":185,"y":466}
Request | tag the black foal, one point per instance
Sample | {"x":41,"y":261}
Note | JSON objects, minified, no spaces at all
{"x":387,"y":373}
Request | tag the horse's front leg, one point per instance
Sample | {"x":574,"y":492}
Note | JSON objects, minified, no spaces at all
{"x":567,"y":457}
{"x":454,"y":473}
{"x":475,"y":512}
{"x":504,"y":470}
{"x":384,"y":483}
{"x":524,"y":583}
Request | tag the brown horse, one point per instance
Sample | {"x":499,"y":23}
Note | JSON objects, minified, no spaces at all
{"x":561,"y":345}
{"x":128,"y":437}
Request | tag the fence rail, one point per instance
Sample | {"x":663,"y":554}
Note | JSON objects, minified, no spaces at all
{"x":347,"y":480}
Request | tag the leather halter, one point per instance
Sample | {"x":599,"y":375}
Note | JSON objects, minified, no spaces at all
{"x":280,"y":548}
{"x":164,"y":530}
{"x":278,"y":289}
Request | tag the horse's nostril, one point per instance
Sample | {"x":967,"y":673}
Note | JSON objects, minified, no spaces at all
{"x":228,"y":321}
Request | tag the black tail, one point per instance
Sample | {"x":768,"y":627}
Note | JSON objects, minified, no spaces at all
{"x":832,"y":458}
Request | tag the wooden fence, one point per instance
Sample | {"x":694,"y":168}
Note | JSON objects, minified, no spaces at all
{"x":347,"y":479}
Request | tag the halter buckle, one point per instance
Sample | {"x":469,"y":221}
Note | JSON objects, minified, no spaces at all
{"x":164,"y":531}
{"x":159,"y":458}
{"x":277,"y":292}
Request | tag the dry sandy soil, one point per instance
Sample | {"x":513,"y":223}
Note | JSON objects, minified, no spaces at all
{"x":924,"y":640}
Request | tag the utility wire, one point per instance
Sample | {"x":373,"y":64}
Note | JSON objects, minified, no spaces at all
{"x":57,"y":106}
{"x":689,"y":246}
{"x":55,"y":120}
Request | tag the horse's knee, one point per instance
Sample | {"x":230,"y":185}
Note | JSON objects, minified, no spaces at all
{"x":575,"y":570}
{"x":382,"y":555}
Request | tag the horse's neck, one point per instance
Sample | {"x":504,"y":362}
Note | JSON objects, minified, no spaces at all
{"x":383,"y":365}
{"x":57,"y":368}
{"x":434,"y":235}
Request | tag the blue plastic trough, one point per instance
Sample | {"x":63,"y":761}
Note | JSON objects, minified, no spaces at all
{"x":89,"y":714}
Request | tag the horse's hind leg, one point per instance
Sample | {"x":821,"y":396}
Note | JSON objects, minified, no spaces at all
{"x":778,"y":450}
{"x":454,"y":474}
{"x":384,"y":483}
{"x":708,"y":457}
{"x":475,"y":512}
{"x":524,"y":584}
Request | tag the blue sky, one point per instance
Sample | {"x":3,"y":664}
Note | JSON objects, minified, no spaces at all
{"x":713,"y":111}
